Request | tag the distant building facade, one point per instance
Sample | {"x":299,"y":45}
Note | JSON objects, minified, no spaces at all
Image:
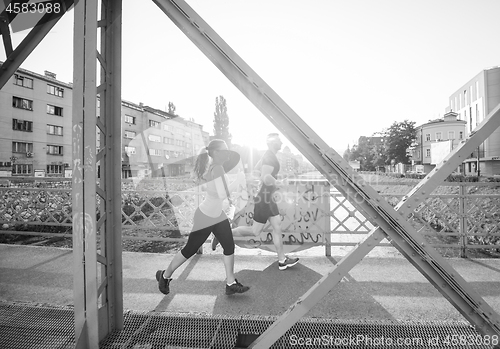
{"x":448,"y":131}
{"x":156,"y":143}
{"x":36,"y":133}
{"x":473,"y":102}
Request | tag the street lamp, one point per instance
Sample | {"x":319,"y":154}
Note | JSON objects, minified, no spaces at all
{"x":478,"y":164}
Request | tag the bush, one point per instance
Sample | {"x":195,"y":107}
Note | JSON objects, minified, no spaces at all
{"x":461,"y":178}
{"x":415,"y":175}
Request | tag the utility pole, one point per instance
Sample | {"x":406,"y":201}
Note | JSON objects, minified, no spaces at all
{"x":478,"y":164}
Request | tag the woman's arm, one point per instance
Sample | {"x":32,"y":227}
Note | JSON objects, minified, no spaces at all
{"x":241,"y":178}
{"x":218,"y":173}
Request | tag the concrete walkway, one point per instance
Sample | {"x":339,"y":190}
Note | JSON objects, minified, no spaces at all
{"x":376,"y":289}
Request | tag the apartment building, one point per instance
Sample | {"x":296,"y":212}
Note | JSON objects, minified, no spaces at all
{"x":473,"y":102}
{"x":435,"y":139}
{"x":156,"y":143}
{"x":36,"y":132}
{"x":36,"y":119}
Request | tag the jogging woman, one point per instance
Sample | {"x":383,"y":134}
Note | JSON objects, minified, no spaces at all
{"x":209,"y":216}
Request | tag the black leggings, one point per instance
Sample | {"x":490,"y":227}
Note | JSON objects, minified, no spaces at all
{"x":202,"y":227}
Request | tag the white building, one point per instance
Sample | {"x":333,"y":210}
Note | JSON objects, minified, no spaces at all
{"x":473,"y":102}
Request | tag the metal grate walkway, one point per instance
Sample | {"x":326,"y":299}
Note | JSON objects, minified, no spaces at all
{"x":28,"y":326}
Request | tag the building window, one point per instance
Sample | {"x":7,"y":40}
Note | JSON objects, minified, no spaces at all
{"x":130,"y":150}
{"x":168,"y":128}
{"x":130,"y":119}
{"x":167,"y":140}
{"x":55,"y":169}
{"x":155,"y":152}
{"x":22,"y":169}
{"x":153,"y":123}
{"x":154,"y":138}
{"x":461,"y":135}
{"x":22,"y":125}
{"x":428,"y":153}
{"x":451,"y":134}
{"x":188,"y":145}
{"x":438,"y":136}
{"x":54,"y":149}
{"x":54,"y":90}
{"x":22,"y":147}
{"x":187,"y":134}
{"x":179,"y":142}
{"x":23,"y":81}
{"x":53,"y":110}
{"x":128,"y":134}
{"x":54,"y":130}
{"x":428,"y":137}
{"x":22,"y":103}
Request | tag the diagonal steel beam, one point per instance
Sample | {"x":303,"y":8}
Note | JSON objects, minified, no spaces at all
{"x":30,"y":42}
{"x":464,"y":298}
{"x":5,"y":32}
{"x":319,"y":290}
{"x":424,"y":188}
{"x":402,"y":235}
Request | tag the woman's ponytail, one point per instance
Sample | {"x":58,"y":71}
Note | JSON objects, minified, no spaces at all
{"x":201,"y":164}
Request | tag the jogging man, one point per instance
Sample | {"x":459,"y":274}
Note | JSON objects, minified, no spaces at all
{"x":266,"y":208}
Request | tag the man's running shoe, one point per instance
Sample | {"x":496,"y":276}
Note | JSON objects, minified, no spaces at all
{"x":236,"y":288}
{"x":163,"y":284}
{"x":288,"y":263}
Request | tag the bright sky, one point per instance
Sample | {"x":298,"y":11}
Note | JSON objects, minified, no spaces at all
{"x":348,"y":68}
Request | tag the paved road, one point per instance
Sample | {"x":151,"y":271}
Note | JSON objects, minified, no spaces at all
{"x":376,"y":289}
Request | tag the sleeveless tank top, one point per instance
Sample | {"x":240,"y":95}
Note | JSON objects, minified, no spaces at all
{"x":212,"y":205}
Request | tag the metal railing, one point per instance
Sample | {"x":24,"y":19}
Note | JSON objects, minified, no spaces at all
{"x":459,"y":215}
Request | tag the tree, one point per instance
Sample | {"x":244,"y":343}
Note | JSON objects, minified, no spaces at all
{"x":347,"y":154}
{"x":171,"y":108}
{"x":379,"y":156}
{"x":221,"y":121}
{"x":399,"y":137}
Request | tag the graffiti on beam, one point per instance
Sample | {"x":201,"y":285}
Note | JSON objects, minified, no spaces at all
{"x":303,"y":211}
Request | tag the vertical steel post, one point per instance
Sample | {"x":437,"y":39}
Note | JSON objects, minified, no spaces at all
{"x":84,"y":175}
{"x":111,"y":32}
{"x":328,"y":221}
{"x":197,"y":194}
{"x":463,"y":220}
{"x":96,"y":175}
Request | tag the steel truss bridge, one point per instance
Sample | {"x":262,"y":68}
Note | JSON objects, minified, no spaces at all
{"x":98,"y":299}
